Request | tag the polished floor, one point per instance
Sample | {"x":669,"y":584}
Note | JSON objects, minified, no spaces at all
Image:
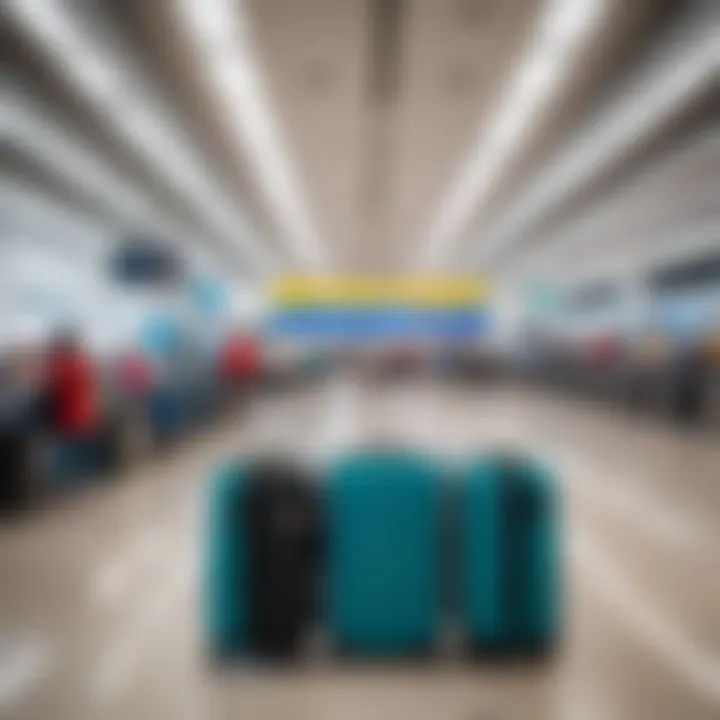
{"x":98,"y":615}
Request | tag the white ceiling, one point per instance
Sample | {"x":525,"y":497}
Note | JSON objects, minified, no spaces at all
{"x":374,"y":160}
{"x":373,"y":108}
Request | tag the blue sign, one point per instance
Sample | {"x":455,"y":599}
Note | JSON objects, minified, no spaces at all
{"x":160,"y":335}
{"x":687,"y":315}
{"x":379,"y":324}
{"x":209,"y":296}
{"x":144,"y":261}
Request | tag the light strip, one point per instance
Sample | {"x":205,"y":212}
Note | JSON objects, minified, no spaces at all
{"x":648,"y":104}
{"x":28,"y":126}
{"x":650,"y":250}
{"x":563,"y":27}
{"x":31,"y":132}
{"x":69,"y":158}
{"x":610,"y":213}
{"x":116,"y":89}
{"x":219,"y":29}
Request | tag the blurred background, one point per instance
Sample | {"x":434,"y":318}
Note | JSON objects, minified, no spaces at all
{"x":300,"y":225}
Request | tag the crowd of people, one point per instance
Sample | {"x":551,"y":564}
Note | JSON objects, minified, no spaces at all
{"x":63,"y":409}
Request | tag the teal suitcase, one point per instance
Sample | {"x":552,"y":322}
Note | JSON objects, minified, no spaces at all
{"x":383,"y":552}
{"x":510,"y":521}
{"x":224,"y":596}
{"x":511,"y":556}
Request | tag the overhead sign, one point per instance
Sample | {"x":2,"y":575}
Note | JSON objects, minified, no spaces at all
{"x":209,"y":296}
{"x":542,"y":299}
{"x":348,"y":291}
{"x":160,"y":335}
{"x":363,"y":308}
{"x":144,"y":261}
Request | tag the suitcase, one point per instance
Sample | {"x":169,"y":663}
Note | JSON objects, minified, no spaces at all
{"x":72,"y":461}
{"x":383,"y":552}
{"x":511,"y":583}
{"x":261,"y":559}
{"x":206,"y":400}
{"x":121,"y":439}
{"x":168,"y":412}
{"x":18,"y":481}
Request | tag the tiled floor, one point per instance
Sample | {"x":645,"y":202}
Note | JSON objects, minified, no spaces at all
{"x":98,"y":594}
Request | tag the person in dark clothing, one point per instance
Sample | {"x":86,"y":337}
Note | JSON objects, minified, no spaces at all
{"x":20,"y":431}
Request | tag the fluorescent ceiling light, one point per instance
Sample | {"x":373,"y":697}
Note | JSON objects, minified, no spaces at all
{"x":566,"y":22}
{"x":215,"y":21}
{"x":57,"y":26}
{"x":77,"y":165}
{"x":647,"y":251}
{"x":73,"y":42}
{"x":563,"y":25}
{"x":236,"y":74}
{"x":665,"y":88}
{"x":627,"y":213}
{"x":71,"y":159}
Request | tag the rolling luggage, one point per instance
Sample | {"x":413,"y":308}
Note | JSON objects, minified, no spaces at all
{"x":168,"y":412}
{"x":261,"y":557}
{"x":21,"y":425}
{"x":18,"y":484}
{"x":383,"y":552}
{"x":72,"y":461}
{"x":511,"y":561}
{"x":121,"y":439}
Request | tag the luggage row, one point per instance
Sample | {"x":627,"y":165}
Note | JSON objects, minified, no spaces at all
{"x":385,"y":552}
{"x":39,"y":461}
{"x":685,"y":392}
{"x":645,"y":337}
{"x":68,"y":417}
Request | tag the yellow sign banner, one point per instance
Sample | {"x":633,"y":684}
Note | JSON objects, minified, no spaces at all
{"x":412,"y":291}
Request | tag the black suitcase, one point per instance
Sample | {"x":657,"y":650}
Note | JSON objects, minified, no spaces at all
{"x":122,"y":438}
{"x":282,"y":539}
{"x":110,"y":446}
{"x":263,"y":602}
{"x":22,"y":421}
{"x":18,"y":482}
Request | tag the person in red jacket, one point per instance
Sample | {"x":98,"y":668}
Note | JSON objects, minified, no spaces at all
{"x":239,"y":359}
{"x":72,"y":388}
{"x":73,"y":405}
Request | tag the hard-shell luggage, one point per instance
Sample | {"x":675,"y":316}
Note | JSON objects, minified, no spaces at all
{"x":224,"y":564}
{"x":18,"y":481}
{"x":21,"y":428}
{"x":260,"y":579}
{"x":511,"y":555}
{"x":168,"y":412}
{"x":122,"y":437}
{"x":205,"y":400}
{"x":383,"y":552}
{"x":72,"y":460}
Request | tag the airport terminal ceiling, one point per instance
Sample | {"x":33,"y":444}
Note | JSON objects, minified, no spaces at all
{"x":361,"y":135}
